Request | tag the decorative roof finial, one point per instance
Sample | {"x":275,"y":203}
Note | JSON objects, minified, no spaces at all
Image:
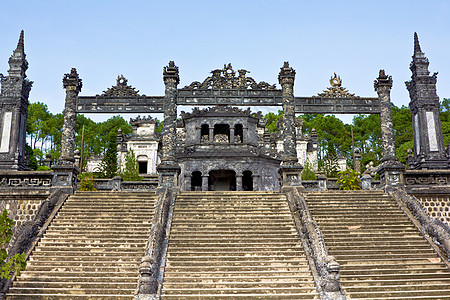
{"x":416,"y":43}
{"x":20,"y":44}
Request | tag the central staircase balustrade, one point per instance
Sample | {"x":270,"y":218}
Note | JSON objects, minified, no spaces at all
{"x":436,"y":229}
{"x":326,"y":265}
{"x":152,"y":264}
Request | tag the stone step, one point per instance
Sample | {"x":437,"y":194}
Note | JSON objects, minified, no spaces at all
{"x":239,"y":290}
{"x":84,"y":258}
{"x":76,"y":274}
{"x":100,"y":234}
{"x":70,"y":291}
{"x":74,"y":279}
{"x":406,"y":294}
{"x":248,"y":296}
{"x":61,"y":250}
{"x":76,"y":285}
{"x":382,"y":255}
{"x":235,"y":246}
{"x":176,"y":252}
{"x":18,"y":296}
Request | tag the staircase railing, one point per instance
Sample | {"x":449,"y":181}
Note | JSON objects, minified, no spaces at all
{"x":326,"y":266}
{"x":152,"y":264}
{"x":27,"y":235}
{"x":436,"y":229}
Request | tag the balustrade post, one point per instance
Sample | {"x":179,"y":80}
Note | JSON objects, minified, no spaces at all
{"x":65,"y":170}
{"x":290,"y":169}
{"x":391,"y":170}
{"x":168,"y":169}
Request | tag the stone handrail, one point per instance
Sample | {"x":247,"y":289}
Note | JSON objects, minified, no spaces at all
{"x":25,"y":180}
{"x":152,"y":264}
{"x":326,"y":265}
{"x":436,"y":229}
{"x":27,"y":235}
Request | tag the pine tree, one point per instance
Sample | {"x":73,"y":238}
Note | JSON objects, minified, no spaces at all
{"x":108,"y":165}
{"x":131,"y":170}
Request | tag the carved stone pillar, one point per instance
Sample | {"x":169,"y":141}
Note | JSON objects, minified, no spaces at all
{"x":15,"y":89}
{"x":290,"y":169}
{"x":238,"y":182}
{"x":187,"y":182}
{"x":390,"y":170}
{"x":65,"y":171}
{"x":383,"y":86}
{"x":205,"y":183}
{"x":357,"y":163}
{"x":429,"y":149}
{"x":72,"y":84}
{"x":231,"y":135}
{"x":211,"y":134}
{"x":168,"y":169}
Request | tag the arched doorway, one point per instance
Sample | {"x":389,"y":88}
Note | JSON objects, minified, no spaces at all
{"x":196,"y":181}
{"x":222,"y":180}
{"x":142,"y":164}
{"x":247,"y":181}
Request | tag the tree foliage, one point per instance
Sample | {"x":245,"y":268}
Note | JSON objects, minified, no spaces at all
{"x":17,"y":262}
{"x":130,"y":172}
{"x":349,"y":180}
{"x":108,"y":165}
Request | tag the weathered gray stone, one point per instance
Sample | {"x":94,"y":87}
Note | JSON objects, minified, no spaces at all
{"x":429,"y":149}
{"x":390,"y":170}
{"x":72,"y":84}
{"x":15,"y":89}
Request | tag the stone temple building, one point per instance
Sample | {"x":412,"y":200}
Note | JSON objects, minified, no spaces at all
{"x":219,"y":148}
{"x":230,"y":216}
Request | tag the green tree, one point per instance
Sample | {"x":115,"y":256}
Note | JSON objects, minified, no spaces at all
{"x":108,"y":165}
{"x":272,"y":120}
{"x":334,"y":137}
{"x":17,"y":262}
{"x":131,"y":170}
{"x":367,"y":136}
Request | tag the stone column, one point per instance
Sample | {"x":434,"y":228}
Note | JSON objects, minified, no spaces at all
{"x":357,"y":161}
{"x":391,"y":170}
{"x":211,"y":134}
{"x":238,"y":182}
{"x":168,"y":169}
{"x":231,"y":135}
{"x":290,"y":169}
{"x":187,"y":182}
{"x":429,"y":148}
{"x":72,"y":84}
{"x":65,"y":171}
{"x":205,"y":183}
{"x":255,"y":180}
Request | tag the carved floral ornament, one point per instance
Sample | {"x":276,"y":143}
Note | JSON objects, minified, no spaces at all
{"x":336,"y":90}
{"x":197,"y":112}
{"x":226,"y":78}
{"x":121,"y":89}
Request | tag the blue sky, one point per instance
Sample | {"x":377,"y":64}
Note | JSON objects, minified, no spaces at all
{"x":103,"y":39}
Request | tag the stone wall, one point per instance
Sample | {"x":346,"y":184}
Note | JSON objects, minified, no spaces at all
{"x":437,"y":206}
{"x":22,"y":205}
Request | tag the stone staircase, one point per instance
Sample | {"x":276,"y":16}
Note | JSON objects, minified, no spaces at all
{"x":382,"y":254}
{"x":235,"y":245}
{"x":91,"y":250}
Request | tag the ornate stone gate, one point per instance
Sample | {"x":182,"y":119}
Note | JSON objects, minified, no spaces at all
{"x":226,"y":87}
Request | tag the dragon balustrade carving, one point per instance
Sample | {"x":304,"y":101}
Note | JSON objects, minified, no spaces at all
{"x":326,"y":265}
{"x":436,"y":229}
